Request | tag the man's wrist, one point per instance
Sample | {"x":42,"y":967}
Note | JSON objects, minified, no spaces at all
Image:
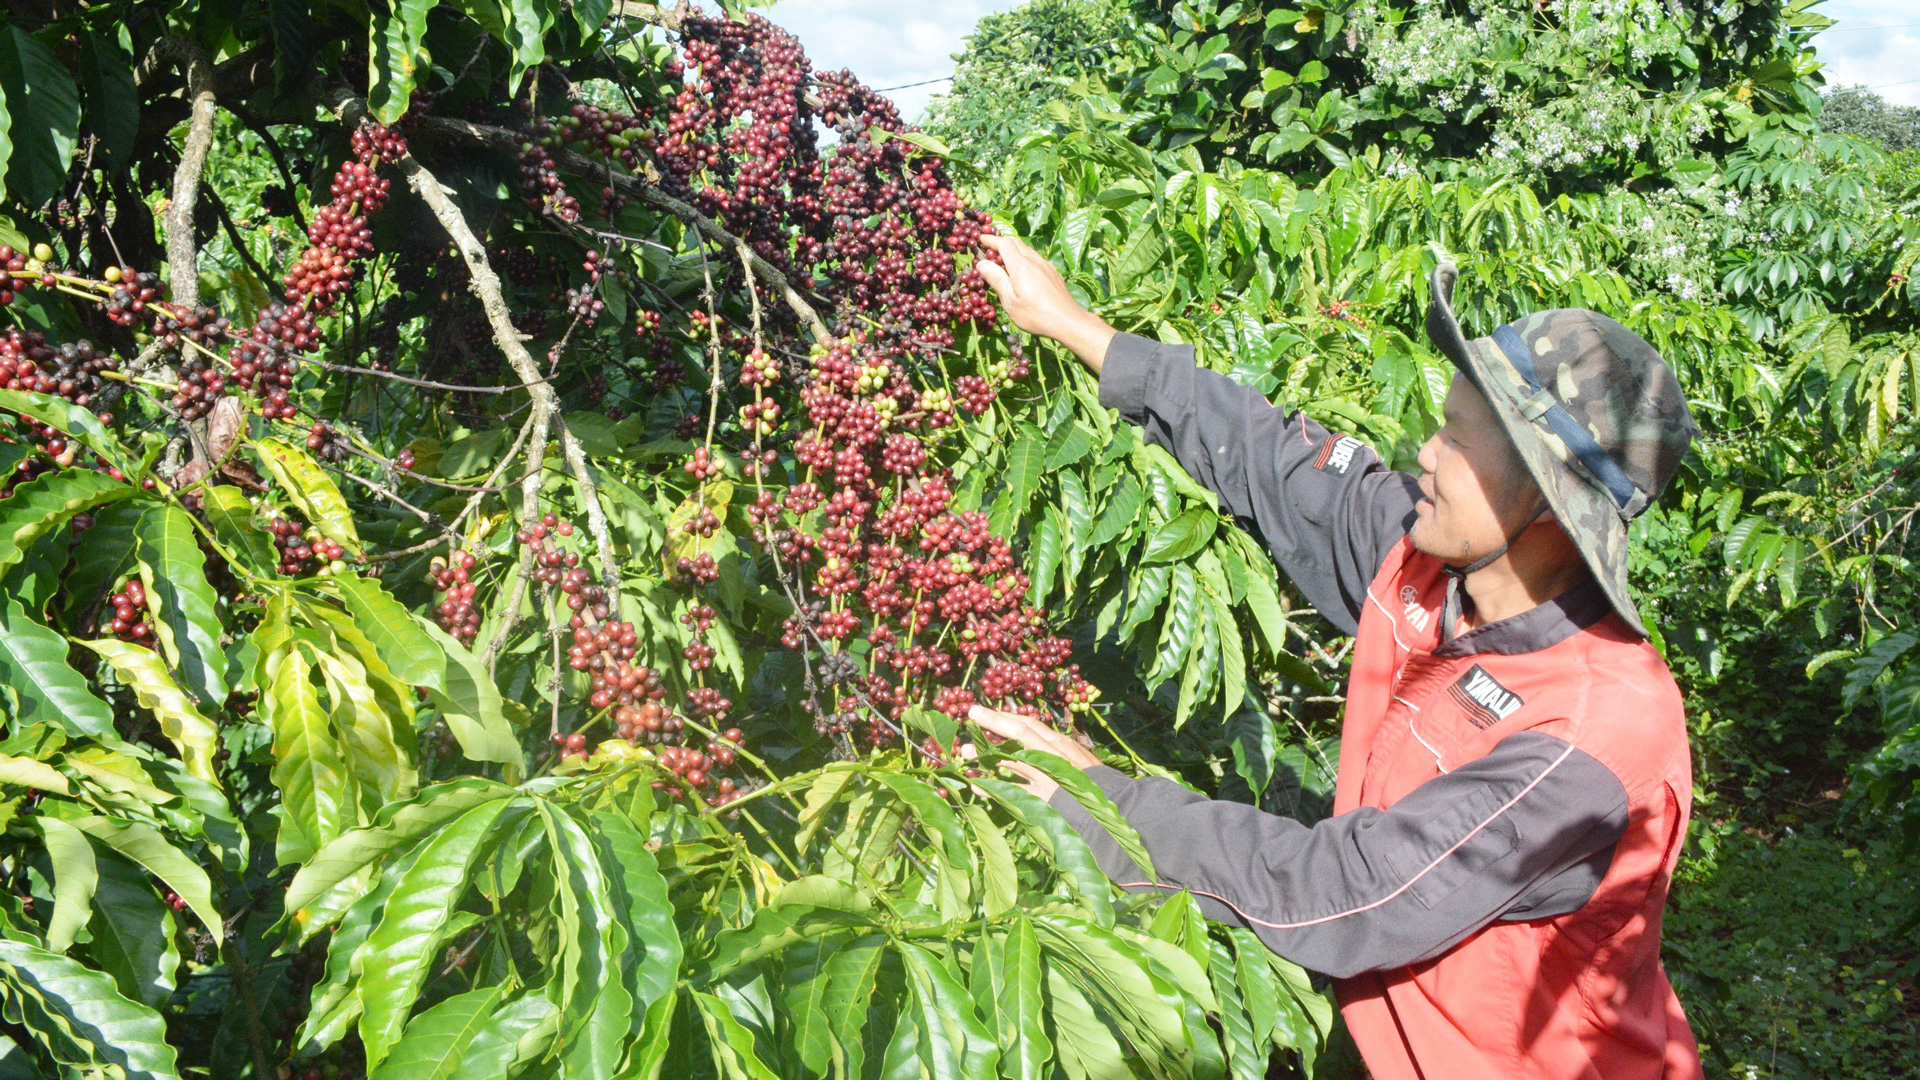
{"x":1088,"y":336}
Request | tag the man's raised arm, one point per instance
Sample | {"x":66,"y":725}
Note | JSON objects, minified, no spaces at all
{"x":1325,"y":506}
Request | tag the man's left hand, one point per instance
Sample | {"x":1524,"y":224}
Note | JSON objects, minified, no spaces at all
{"x":1034,"y":735}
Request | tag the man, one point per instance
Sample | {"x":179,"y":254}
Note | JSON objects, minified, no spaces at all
{"x":1514,"y":776}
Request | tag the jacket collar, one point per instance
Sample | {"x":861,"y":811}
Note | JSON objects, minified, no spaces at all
{"x":1537,"y":628}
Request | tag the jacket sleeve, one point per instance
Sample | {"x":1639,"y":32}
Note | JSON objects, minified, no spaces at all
{"x":1323,"y":504}
{"x":1525,"y":832}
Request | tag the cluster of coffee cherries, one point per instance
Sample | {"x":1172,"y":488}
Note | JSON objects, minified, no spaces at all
{"x":323,"y":440}
{"x":304,"y":549}
{"x":197,"y":386}
{"x":458,"y":613}
{"x":132,"y":291}
{"x":871,"y":223}
{"x":13,"y":264}
{"x":266,"y":359}
{"x":551,"y":563}
{"x":129,"y":622}
{"x":697,"y":768}
{"x":935,"y":594}
{"x":338,"y":234}
{"x":72,"y":370}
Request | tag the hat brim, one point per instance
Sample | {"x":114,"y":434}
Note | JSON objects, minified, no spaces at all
{"x":1584,"y":512}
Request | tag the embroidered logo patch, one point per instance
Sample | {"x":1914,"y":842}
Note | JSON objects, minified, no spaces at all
{"x":1337,"y":454}
{"x":1486,"y":702}
{"x":1416,"y":615}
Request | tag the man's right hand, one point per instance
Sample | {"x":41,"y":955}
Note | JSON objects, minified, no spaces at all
{"x":1035,"y":297}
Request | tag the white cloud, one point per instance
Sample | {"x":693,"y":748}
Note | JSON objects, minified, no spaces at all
{"x":886,"y":43}
{"x":1875,"y":43}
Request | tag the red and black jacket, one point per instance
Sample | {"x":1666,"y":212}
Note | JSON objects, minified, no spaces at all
{"x":1510,"y":800}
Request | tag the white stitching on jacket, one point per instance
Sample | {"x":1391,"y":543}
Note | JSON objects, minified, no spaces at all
{"x":1404,"y":886}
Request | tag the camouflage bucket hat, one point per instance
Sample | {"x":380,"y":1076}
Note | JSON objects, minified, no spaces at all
{"x":1597,"y":416}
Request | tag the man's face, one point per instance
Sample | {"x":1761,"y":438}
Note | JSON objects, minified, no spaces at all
{"x":1476,"y":489}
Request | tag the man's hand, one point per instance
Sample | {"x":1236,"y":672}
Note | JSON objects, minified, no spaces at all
{"x":1036,"y":299}
{"x":1035,"y":736}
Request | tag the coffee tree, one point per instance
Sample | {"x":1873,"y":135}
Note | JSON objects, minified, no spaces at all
{"x":504,"y":519}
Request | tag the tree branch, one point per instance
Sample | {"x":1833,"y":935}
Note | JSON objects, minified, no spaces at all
{"x":508,"y":140}
{"x":182,"y":254}
{"x":485,"y":285}
{"x":596,"y":514}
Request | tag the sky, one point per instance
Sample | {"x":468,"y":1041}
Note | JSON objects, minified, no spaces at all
{"x":1876,"y":43}
{"x":888,"y":43}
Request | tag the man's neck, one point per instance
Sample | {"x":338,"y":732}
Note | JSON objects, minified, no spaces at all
{"x":1541,"y":565}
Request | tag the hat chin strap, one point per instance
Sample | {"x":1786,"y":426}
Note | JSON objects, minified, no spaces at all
{"x":1461,"y":572}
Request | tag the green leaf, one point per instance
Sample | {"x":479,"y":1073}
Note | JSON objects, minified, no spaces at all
{"x":1123,"y":508}
{"x":47,"y":502}
{"x":1051,"y":831}
{"x":133,"y":932}
{"x":29,"y":773}
{"x":421,"y":654}
{"x":470,"y":703}
{"x":43,"y":107}
{"x":1026,"y":464}
{"x":852,"y":974}
{"x":236,"y":526}
{"x":44,"y":687}
{"x":1181,"y":628}
{"x":112,"y":100}
{"x":1181,"y":537}
{"x":1087,"y":1049}
{"x":825,"y":790}
{"x":934,"y":814}
{"x":310,"y":488}
{"x":335,"y":1000}
{"x":396,"y":46}
{"x":1248,"y":1048}
{"x":182,"y":600}
{"x":733,"y":1047}
{"x":1262,"y":599}
{"x":521,"y":25}
{"x":515,"y":1035}
{"x":804,"y":996}
{"x":100,"y":556}
{"x":1147,"y":1005}
{"x":65,"y":1001}
{"x":640,"y":893}
{"x":435,"y":1044}
{"x":329,"y":881}
{"x":1044,"y":558}
{"x":1150,"y":587}
{"x":402,"y":948}
{"x":316,"y":792}
{"x":954,"y":1043}
{"x":75,"y":878}
{"x":73,"y":420}
{"x":769,"y":931}
{"x":999,"y":876}
{"x":375,"y":729}
{"x":1084,"y":791}
{"x":143,"y":844}
{"x":140,"y":669}
{"x":1069,"y":444}
{"x":596,"y":1009}
{"x":591,"y":15}
{"x":1006,"y":983}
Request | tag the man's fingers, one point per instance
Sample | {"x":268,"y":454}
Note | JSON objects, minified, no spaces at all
{"x":1007,"y":725}
{"x":996,"y":278}
{"x":1025,"y":772}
